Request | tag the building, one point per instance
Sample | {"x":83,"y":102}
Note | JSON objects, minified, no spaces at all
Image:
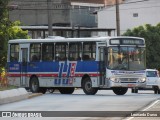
{"x":64,"y":13}
{"x":133,"y":13}
{"x":102,"y":2}
{"x":36,"y":12}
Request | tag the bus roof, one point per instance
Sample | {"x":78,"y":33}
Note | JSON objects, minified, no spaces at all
{"x":63,"y":39}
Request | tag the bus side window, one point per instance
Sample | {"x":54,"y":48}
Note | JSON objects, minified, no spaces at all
{"x":35,"y":52}
{"x":89,"y":51}
{"x":47,"y":52}
{"x":75,"y":51}
{"x":14,"y":52}
{"x":61,"y":51}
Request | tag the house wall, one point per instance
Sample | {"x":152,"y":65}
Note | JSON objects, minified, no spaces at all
{"x":132,"y":15}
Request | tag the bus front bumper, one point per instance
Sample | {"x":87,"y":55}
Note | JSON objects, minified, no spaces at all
{"x":127,"y":84}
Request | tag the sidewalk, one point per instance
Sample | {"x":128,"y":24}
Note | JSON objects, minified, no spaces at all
{"x":152,"y":110}
{"x":14,"y":95}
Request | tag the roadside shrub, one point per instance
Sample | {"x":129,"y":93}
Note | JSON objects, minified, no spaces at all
{"x":3,"y":78}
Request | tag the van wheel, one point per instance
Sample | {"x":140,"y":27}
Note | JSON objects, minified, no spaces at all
{"x":134,"y":90}
{"x":87,"y":87}
{"x":155,"y":90}
{"x":119,"y":90}
{"x":34,"y":85}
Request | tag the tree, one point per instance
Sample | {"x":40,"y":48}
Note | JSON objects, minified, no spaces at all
{"x":8,"y":30}
{"x":3,"y":28}
{"x":151,"y":34}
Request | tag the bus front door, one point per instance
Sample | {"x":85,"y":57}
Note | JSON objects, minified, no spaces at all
{"x":23,"y":63}
{"x":102,"y":66}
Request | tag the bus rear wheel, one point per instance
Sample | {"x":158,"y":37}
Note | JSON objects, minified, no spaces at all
{"x":66,"y":90}
{"x":34,"y":85}
{"x":120,"y":90}
{"x":87,"y":87}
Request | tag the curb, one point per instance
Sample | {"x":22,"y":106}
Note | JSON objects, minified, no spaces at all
{"x":13,"y":95}
{"x":31,"y":95}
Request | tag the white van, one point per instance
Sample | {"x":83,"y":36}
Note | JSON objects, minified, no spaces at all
{"x":152,"y":82}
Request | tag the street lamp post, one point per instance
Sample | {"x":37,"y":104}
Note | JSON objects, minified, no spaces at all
{"x":49,"y":6}
{"x":117,"y":18}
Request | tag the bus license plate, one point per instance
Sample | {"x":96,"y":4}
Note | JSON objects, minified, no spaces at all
{"x":131,"y":85}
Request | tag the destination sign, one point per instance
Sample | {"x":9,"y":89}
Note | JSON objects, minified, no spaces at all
{"x":126,"y":41}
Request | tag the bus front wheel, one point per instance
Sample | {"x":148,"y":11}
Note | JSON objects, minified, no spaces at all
{"x":87,"y":87}
{"x":120,"y":90}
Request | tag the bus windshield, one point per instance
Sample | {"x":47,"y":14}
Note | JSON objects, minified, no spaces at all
{"x":126,"y":58}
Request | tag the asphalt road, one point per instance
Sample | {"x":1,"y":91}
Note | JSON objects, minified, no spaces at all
{"x":104,"y":100}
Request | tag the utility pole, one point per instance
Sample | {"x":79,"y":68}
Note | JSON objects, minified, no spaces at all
{"x":117,"y":18}
{"x":49,"y":7}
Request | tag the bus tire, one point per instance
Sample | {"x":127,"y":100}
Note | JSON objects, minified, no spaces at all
{"x":34,"y":85}
{"x":120,"y":90}
{"x":66,"y":90}
{"x":87,"y":87}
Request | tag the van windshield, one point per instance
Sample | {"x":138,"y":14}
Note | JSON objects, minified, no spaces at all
{"x":151,"y":73}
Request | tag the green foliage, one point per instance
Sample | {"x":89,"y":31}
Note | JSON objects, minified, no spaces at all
{"x":15,"y":32}
{"x":8,"y":30}
{"x":152,"y":36}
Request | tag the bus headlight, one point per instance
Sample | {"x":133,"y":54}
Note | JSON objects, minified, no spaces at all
{"x":114,"y":79}
{"x":143,"y":79}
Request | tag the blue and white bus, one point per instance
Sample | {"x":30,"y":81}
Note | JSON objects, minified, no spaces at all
{"x":96,"y":63}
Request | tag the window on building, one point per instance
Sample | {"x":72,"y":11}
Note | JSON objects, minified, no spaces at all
{"x":14,"y":52}
{"x":48,"y":52}
{"x":135,"y":14}
{"x":35,"y":52}
{"x":61,"y":51}
{"x":75,"y":51}
{"x":89,"y":51}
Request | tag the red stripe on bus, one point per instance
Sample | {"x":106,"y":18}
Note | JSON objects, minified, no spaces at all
{"x":52,"y":75}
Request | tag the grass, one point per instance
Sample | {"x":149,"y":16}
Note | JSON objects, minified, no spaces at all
{"x":9,"y":87}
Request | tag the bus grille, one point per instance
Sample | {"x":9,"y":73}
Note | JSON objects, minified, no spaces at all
{"x":128,"y":80}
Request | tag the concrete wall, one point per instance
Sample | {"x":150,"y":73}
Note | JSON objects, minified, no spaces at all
{"x":132,"y":15}
{"x":35,"y":12}
{"x":83,"y":16}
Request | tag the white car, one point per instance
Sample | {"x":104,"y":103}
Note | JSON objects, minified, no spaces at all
{"x":152,"y":82}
